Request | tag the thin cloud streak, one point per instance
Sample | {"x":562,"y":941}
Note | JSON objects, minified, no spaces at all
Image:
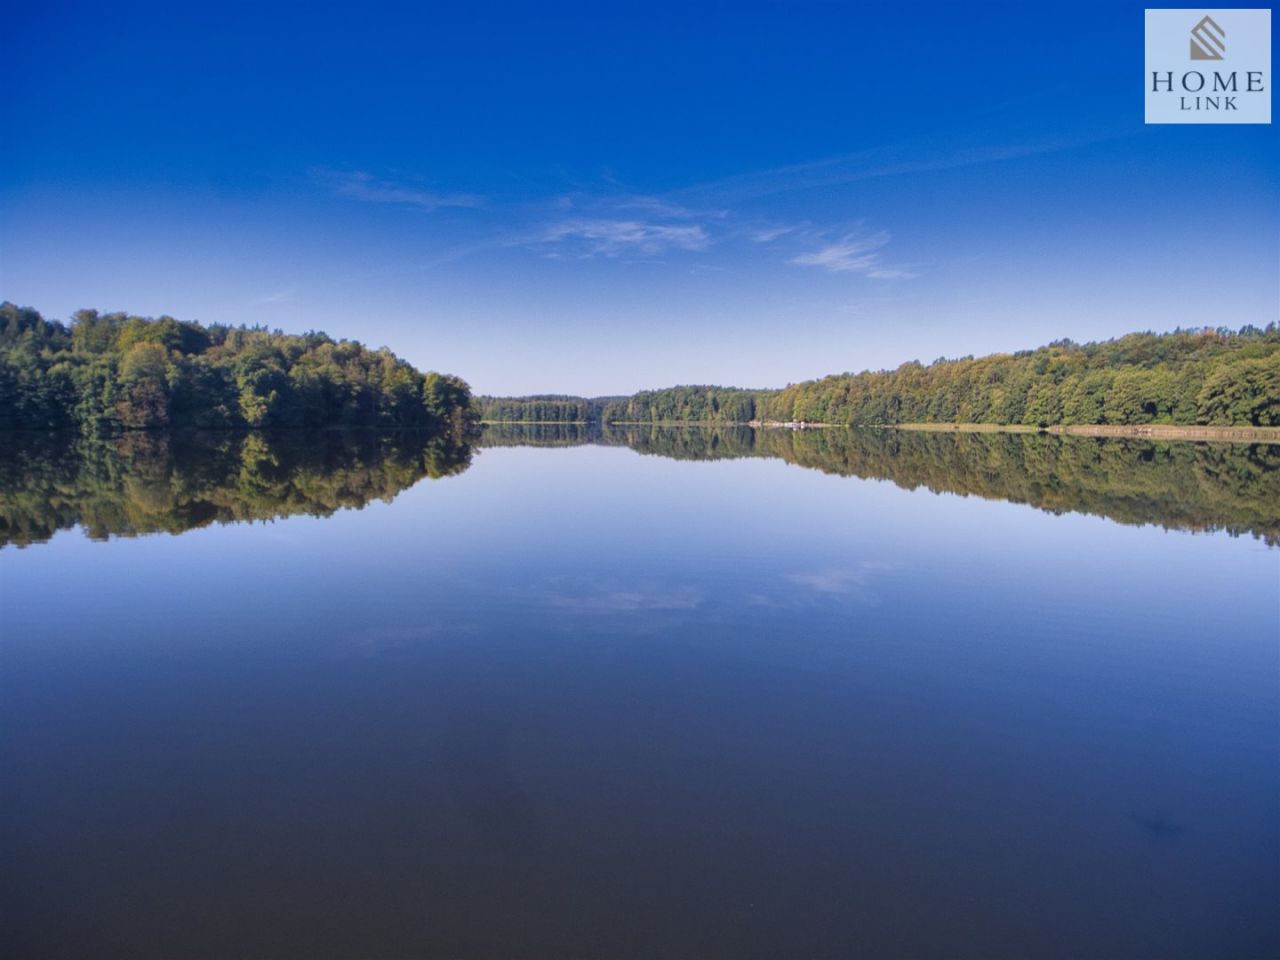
{"x":889,"y":161}
{"x":665,"y":209}
{"x":770,"y":234}
{"x":284,"y":295}
{"x":582,"y":238}
{"x":633,"y":225}
{"x":358,"y":185}
{"x":855,"y":253}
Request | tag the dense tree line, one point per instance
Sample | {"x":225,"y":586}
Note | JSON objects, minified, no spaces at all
{"x":544,"y":408}
{"x":1178,"y":485}
{"x":104,"y":373}
{"x":685,"y":404}
{"x":1208,"y":377}
{"x":1214,"y":377}
{"x":140,"y":482}
{"x":693,"y":404}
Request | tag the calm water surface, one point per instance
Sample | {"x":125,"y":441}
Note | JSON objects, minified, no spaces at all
{"x":784,"y":697}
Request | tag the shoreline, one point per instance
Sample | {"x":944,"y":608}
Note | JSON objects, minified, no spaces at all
{"x":1142,"y":432}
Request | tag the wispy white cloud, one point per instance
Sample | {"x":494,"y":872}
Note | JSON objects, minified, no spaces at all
{"x":769,"y":234}
{"x":613,"y":200}
{"x":592,"y":237}
{"x":911,"y":157}
{"x":629,"y":225}
{"x":620,"y":225}
{"x":855,"y":253}
{"x":661,"y":208}
{"x":283,"y":295}
{"x":358,"y":185}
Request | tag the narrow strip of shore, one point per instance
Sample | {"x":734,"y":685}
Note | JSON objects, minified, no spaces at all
{"x":1145,"y":431}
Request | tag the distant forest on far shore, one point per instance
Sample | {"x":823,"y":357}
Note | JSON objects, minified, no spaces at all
{"x":1212,"y":377}
{"x":105,"y":373}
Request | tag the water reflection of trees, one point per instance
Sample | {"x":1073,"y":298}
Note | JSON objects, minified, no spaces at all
{"x":148,"y":482}
{"x":1177,"y":485}
{"x":155,"y":482}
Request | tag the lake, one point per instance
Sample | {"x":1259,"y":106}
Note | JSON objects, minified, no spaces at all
{"x":641,"y":692}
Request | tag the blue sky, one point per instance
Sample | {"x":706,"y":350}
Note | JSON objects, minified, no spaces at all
{"x":599,"y":198}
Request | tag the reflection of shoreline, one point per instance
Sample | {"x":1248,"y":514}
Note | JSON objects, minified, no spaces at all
{"x":1152,"y":431}
{"x":147,"y":482}
{"x":1133,"y":480}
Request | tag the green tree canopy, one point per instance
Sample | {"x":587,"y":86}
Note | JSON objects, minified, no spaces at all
{"x":112,"y":372}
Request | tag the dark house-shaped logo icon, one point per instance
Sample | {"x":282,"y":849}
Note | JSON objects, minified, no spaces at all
{"x":1208,"y":40}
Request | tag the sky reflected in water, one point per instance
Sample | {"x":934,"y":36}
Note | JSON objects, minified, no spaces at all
{"x":576,"y":701}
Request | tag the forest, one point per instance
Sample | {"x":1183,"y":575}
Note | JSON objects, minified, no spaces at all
{"x":690,"y":404}
{"x":1214,"y":377}
{"x":543,"y":408}
{"x":106,"y":373}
